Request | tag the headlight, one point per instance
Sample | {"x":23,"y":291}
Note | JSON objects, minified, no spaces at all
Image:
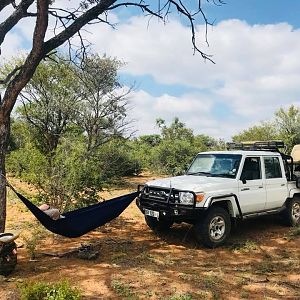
{"x":186,"y":198}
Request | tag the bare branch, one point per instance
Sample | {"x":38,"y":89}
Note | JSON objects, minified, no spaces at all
{"x":164,"y":11}
{"x":88,"y":16}
{"x":14,"y":18}
{"x":5,"y":3}
{"x":143,"y":7}
{"x":35,"y":56}
{"x":10,"y":75}
{"x":181,"y":9}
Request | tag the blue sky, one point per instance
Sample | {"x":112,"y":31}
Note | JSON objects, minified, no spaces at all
{"x":255,"y":45}
{"x":259,"y":11}
{"x":251,"y":11}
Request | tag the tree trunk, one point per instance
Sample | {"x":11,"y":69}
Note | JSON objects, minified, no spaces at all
{"x":4,"y":134}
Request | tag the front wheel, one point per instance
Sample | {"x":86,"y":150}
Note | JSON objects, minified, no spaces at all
{"x":158,"y":225}
{"x":292,"y":212}
{"x":215,"y":228}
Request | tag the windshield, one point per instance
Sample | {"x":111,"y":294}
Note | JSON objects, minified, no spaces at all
{"x":218,"y":165}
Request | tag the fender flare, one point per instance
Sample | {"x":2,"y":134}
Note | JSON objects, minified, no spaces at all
{"x":210,"y":201}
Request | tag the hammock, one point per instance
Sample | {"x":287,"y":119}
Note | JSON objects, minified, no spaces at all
{"x":79,"y":222}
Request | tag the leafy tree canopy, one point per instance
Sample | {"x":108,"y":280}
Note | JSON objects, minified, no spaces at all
{"x":285,"y":126}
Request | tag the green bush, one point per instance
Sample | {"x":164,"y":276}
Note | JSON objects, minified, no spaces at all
{"x":172,"y":151}
{"x":49,"y":291}
{"x":72,"y":177}
{"x":172,"y":157}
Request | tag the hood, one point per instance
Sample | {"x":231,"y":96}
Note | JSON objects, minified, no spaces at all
{"x":194,"y":183}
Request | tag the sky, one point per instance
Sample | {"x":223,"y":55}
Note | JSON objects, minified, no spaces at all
{"x":255,"y":45}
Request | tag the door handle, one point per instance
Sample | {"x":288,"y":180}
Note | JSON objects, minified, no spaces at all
{"x":245,"y":189}
{"x":260,"y":187}
{"x":283,"y":184}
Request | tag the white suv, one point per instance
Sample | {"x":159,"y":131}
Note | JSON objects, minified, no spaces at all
{"x":221,"y":186}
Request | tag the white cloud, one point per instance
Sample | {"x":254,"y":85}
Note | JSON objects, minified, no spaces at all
{"x":257,"y":67}
{"x":12,"y":45}
{"x":194,"y":109}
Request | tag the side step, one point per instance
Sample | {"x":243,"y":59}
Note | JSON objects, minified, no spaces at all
{"x":263,"y":213}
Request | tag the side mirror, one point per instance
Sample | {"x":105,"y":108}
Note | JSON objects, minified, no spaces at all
{"x":243,"y":179}
{"x":298,"y":182}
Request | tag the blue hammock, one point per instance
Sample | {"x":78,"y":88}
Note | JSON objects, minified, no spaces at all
{"x":79,"y":222}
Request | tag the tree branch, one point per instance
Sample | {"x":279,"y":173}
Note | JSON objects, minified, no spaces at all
{"x":35,"y":56}
{"x":143,"y":7}
{"x":14,"y":18}
{"x":10,"y":75}
{"x":41,"y":49}
{"x":4,"y":3}
{"x":88,"y":16}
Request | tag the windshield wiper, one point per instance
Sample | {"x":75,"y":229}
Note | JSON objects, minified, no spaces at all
{"x":199,"y":173}
{"x":223,"y":175}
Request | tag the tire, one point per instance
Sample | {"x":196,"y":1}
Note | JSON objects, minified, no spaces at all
{"x":8,"y":258}
{"x":158,"y":225}
{"x":291,"y":214}
{"x":215,"y":228}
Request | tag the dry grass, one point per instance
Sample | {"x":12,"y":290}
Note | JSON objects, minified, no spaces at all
{"x":258,"y":262}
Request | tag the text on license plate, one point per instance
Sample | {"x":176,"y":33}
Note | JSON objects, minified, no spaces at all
{"x":152,"y":213}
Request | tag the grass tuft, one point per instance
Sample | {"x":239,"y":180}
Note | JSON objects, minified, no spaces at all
{"x":181,"y":297}
{"x":293,"y":233}
{"x":48,"y":291}
{"x":244,"y":246}
{"x":123,"y":290}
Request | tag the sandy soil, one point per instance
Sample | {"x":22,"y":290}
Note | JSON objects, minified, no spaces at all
{"x":260,"y":261}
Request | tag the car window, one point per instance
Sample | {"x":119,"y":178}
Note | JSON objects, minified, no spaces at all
{"x":272,"y":167}
{"x":215,"y":165}
{"x":251,"y":169}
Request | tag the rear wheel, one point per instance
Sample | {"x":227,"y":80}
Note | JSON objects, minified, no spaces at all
{"x":215,"y":228}
{"x":158,"y":225}
{"x":292,"y":212}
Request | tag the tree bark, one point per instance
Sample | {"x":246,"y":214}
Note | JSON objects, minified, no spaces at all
{"x":13,"y":90}
{"x":4,"y":135}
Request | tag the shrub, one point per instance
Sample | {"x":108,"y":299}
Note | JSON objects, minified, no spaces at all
{"x":33,"y":238}
{"x":123,"y":290}
{"x":49,"y":291}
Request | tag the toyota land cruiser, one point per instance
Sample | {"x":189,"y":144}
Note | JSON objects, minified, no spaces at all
{"x":219,"y":187}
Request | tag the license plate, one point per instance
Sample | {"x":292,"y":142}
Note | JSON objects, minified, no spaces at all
{"x":152,"y":213}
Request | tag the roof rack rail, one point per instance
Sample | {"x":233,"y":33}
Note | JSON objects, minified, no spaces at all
{"x":257,"y":145}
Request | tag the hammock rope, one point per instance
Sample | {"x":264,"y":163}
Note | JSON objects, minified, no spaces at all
{"x":80,"y":221}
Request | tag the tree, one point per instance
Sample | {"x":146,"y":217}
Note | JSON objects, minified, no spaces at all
{"x":68,"y":114}
{"x":50,"y":102}
{"x":68,"y":23}
{"x":285,"y":126}
{"x":102,"y":112}
{"x":288,"y":123}
{"x":61,"y":94}
{"x":177,"y":147}
{"x":151,"y":140}
{"x":176,"y":131}
{"x":266,"y":131}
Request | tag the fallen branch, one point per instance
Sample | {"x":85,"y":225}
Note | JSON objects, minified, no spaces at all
{"x":67,"y":253}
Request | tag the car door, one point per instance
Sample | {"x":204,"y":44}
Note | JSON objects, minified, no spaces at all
{"x":275,"y":182}
{"x":252,"y":194}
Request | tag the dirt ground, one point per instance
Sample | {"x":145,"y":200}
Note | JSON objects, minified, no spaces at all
{"x":260,"y":261}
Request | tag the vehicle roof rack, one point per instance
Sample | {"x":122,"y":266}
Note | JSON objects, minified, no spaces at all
{"x":256,"y":145}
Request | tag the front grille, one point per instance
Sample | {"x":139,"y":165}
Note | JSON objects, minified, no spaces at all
{"x":161,"y":194}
